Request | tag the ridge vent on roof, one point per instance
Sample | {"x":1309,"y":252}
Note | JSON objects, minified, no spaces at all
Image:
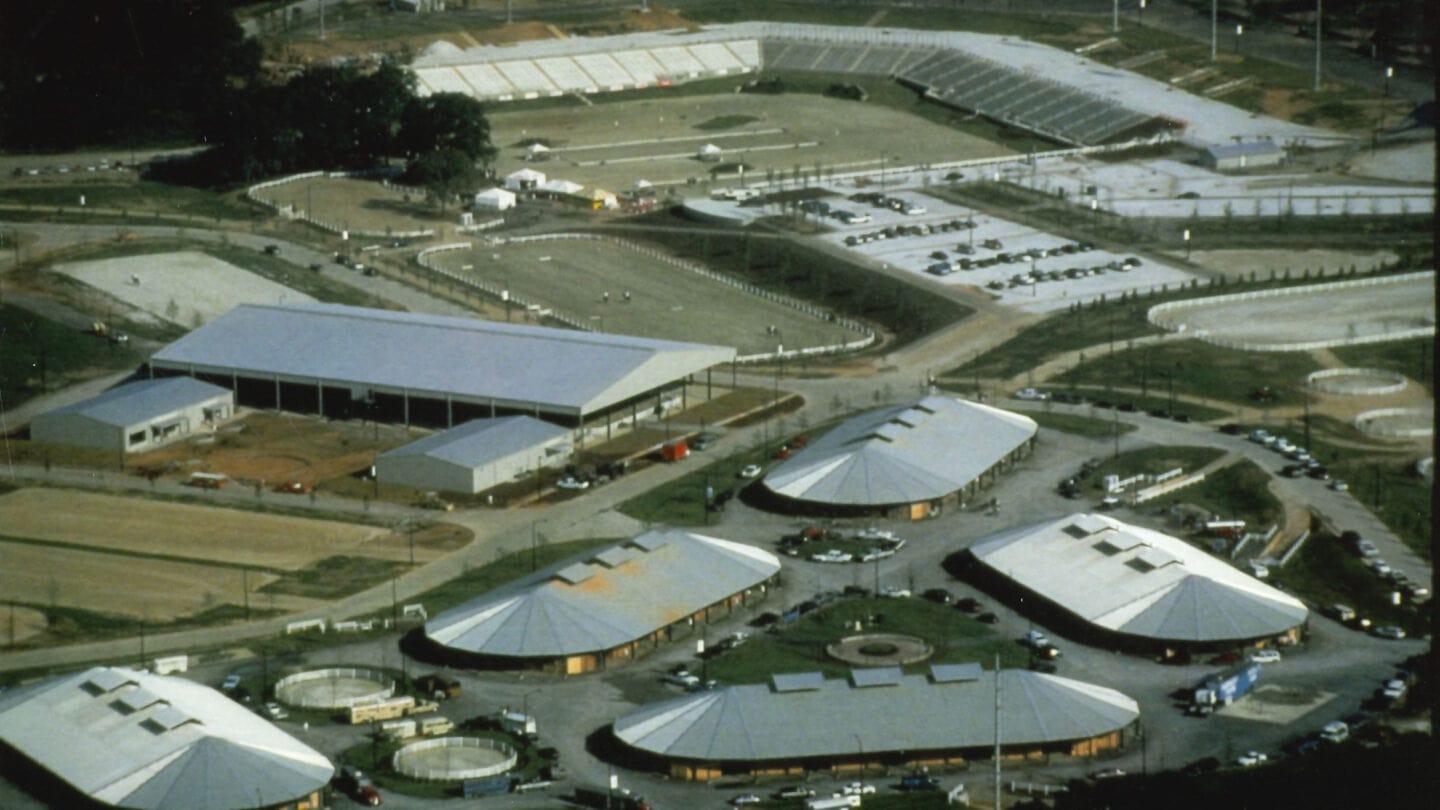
{"x":615,"y":556}
{"x":106,"y":680}
{"x":649,"y":542}
{"x":878,"y":676}
{"x":575,"y":573}
{"x":168,"y":718}
{"x":798,"y":681}
{"x":137,"y":699}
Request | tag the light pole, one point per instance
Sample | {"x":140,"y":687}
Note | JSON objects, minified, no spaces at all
{"x":1140,"y":16}
{"x":1115,"y":16}
{"x":1214,"y":23}
{"x":1095,"y":214}
{"x":1389,"y":74}
{"x":1239,"y":29}
{"x":860,"y":747}
{"x":1187,"y":244}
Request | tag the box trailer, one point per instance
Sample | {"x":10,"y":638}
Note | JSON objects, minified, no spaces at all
{"x":1224,"y":688}
{"x":520,"y":724}
{"x":381,"y":710}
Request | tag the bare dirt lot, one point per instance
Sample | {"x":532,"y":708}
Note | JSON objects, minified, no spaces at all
{"x":269,"y":449}
{"x":155,"y":590}
{"x":616,"y":144}
{"x":186,"y":288}
{"x":573,"y":276}
{"x":358,"y":204}
{"x":136,"y":526}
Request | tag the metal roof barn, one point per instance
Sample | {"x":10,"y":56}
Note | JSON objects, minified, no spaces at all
{"x":918,"y":451}
{"x":476,"y":455}
{"x":531,"y":368}
{"x":153,"y":742}
{"x":807,"y":716}
{"x":1139,"y":582}
{"x":604,"y":599}
{"x":137,"y":416}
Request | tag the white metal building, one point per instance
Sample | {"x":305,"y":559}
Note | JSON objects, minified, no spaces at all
{"x":906,"y":460}
{"x":1244,"y":155}
{"x":428,"y":369}
{"x":803,"y":721}
{"x":605,"y":606}
{"x":475,"y":456}
{"x":1137,"y":585}
{"x":130,"y":739}
{"x":524,"y":180}
{"x":137,"y":416}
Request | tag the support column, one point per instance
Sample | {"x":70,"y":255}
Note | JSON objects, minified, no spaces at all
{"x":492,"y":407}
{"x":634,"y":422}
{"x":277,"y":393}
{"x":405,"y":398}
{"x":708,"y":393}
{"x":320,"y":397}
{"x":449,"y":412}
{"x":684,"y":395}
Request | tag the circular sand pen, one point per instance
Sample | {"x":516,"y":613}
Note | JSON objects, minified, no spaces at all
{"x":1369,"y":382}
{"x":880,"y":650}
{"x":1397,"y":423}
{"x":454,"y":758}
{"x":338,"y":688}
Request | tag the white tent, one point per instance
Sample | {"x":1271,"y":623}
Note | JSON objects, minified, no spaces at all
{"x":536,"y":151}
{"x":565,"y":187}
{"x":494,"y":199}
{"x":524,"y":180}
{"x":709,"y":152}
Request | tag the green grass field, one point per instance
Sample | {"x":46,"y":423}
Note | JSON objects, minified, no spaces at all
{"x":140,"y":199}
{"x":1324,"y":573}
{"x":1200,"y":370}
{"x":39,"y":355}
{"x":1080,"y":425}
{"x":800,"y":647}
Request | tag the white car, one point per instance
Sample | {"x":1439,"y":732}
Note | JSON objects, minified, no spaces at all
{"x":873,"y":533}
{"x":230,"y":683}
{"x":1250,"y":759}
{"x":1339,"y":486}
{"x":1265,"y":656}
{"x":832,"y":556}
{"x":1031,"y":393}
{"x":750,"y":471}
{"x":276,"y":711}
{"x":895,"y":592}
{"x":684,"y":679}
{"x":1034,"y":639}
{"x":857,"y":789}
{"x":746,"y":798}
{"x":1389,"y":631}
{"x":572,"y":483}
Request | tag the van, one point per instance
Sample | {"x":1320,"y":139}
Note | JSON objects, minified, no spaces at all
{"x":832,"y":802}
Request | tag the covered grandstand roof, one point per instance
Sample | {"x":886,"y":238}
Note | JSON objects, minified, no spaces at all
{"x":511,"y":365}
{"x":136,"y":402}
{"x":603,"y":599}
{"x":800,"y":716}
{"x":481,"y":441}
{"x":132,"y":739}
{"x":1139,"y":582}
{"x":918,"y":451}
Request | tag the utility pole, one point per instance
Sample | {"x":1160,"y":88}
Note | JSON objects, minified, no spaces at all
{"x":1214,"y":22}
{"x":997,"y":732}
{"x":322,"y":39}
{"x":1319,"y":8}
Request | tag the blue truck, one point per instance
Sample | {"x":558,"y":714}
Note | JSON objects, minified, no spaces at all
{"x":1224,"y":688}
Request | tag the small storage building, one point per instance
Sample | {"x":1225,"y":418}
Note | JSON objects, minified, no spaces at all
{"x":494,"y":199}
{"x":136,"y":417}
{"x":475,"y":456}
{"x":1244,"y":155}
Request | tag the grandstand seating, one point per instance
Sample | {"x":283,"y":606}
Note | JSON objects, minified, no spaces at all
{"x":640,"y":65}
{"x":715,"y":57}
{"x":486,"y":80}
{"x":605,"y":71}
{"x":677,"y":61}
{"x":525,"y":77}
{"x":564,"y":73}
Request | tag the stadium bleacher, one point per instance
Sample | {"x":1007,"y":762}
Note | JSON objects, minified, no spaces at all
{"x":525,"y":77}
{"x":677,"y":61}
{"x":605,"y":71}
{"x":639,"y":65}
{"x":563,"y":73}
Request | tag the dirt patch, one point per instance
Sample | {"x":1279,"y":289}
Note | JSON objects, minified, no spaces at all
{"x":153,"y":590}
{"x":27,"y":623}
{"x":1284,"y":104}
{"x":133,"y":526}
{"x":357,"y":204}
{"x":268,"y":449}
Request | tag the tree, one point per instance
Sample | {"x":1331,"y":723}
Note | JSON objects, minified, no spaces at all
{"x":446,"y":121}
{"x":444,"y":173}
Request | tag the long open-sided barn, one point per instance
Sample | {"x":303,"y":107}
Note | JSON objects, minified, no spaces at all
{"x":432,"y":370}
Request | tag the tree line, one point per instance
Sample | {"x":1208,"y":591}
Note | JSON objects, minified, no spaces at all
{"x":89,"y":73}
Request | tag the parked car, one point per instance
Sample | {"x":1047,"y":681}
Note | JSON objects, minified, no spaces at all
{"x":794,"y":792}
{"x":682,"y":679}
{"x":275,"y":711}
{"x":1389,"y":631}
{"x":750,"y":471}
{"x":1250,"y":759}
{"x":895,"y":592}
{"x":1107,"y":773}
{"x":857,"y":789}
{"x":1034,"y":639}
{"x":1266,"y":656}
{"x":231,"y":682}
{"x":745,"y":798}
{"x":987,"y":618}
{"x":572,"y":483}
{"x":939,"y":595}
{"x":1031,"y":393}
{"x":968,"y":604}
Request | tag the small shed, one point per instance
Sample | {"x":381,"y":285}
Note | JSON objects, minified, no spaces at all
{"x":494,"y":199}
{"x":524,"y":180}
{"x":1242,"y":155}
{"x":136,"y":417}
{"x":476,"y":455}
